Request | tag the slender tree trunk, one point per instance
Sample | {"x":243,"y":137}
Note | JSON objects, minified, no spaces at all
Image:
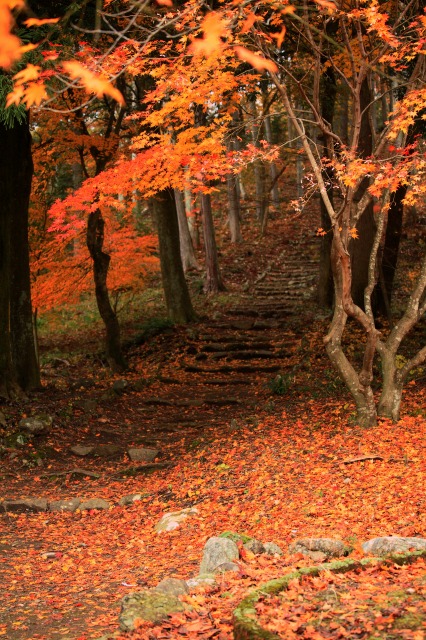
{"x":214,"y":279}
{"x":189,"y":260}
{"x":358,"y":384}
{"x":390,"y":250}
{"x":273,"y":171}
{"x":178,"y":301}
{"x":360,"y":248}
{"x":259,"y":167}
{"x":328,"y":102}
{"x":192,"y":219}
{"x":234,"y":209}
{"x":101,"y":260}
{"x":18,"y":359}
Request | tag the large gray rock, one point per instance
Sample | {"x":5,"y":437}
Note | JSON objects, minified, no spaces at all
{"x":151,"y":605}
{"x":218,"y":551}
{"x":20,"y":506}
{"x":393,"y":544}
{"x":172,"y":587}
{"x":65,"y":505}
{"x":312,"y":547}
{"x":94,"y":503}
{"x":36,"y":425}
{"x":142,"y":454}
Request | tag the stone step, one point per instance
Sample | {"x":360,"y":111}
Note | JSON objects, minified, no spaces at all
{"x":192,"y":368}
{"x":240,"y":355}
{"x":234,"y":346}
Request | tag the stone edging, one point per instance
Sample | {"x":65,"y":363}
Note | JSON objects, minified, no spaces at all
{"x":245,"y":624}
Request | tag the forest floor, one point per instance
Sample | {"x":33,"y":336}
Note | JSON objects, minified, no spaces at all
{"x":253,"y":427}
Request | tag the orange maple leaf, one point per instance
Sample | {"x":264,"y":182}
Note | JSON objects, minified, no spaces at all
{"x":31,"y":72}
{"x":9,"y":44}
{"x":214,"y":28}
{"x":92,"y":82}
{"x":36,"y":22}
{"x":35,"y":94}
{"x":258,"y":62}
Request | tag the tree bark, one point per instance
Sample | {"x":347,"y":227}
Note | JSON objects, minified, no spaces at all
{"x":191,"y":217}
{"x":328,"y":102}
{"x":214,"y":279}
{"x":390,"y":251}
{"x":101,"y":260}
{"x":189,"y":260}
{"x":259,"y":167}
{"x":360,"y":248}
{"x":178,"y":301}
{"x":18,"y":358}
{"x":273,"y":171}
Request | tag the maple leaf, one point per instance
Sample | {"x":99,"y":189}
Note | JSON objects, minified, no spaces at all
{"x":35,"y":94}
{"x":280,"y":36}
{"x":92,"y":82}
{"x":215,"y":29}
{"x":258,"y":62}
{"x":249,"y":22}
{"x":31,"y":72}
{"x":326,"y":4}
{"x":15,"y":96}
{"x":9,"y":44}
{"x":36,"y":22}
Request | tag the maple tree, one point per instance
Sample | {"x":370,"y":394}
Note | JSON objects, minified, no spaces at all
{"x":360,"y":46}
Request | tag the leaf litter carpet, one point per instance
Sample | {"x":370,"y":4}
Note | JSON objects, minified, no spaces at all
{"x":276,"y":467}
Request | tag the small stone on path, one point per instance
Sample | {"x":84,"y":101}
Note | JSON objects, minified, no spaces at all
{"x":81,"y":450}
{"x":328,"y":547}
{"x":393,"y":544}
{"x":37,"y":425}
{"x":172,"y":587}
{"x":130,"y":499}
{"x":152,"y":606}
{"x":65,"y":505}
{"x":173,"y":520}
{"x":94,"y":503}
{"x":107,"y":450}
{"x":218,"y":551}
{"x":142,"y":454}
{"x":254,"y":546}
{"x":272,"y":549}
{"x":20,"y":506}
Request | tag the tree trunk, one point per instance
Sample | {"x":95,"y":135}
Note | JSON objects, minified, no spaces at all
{"x":328,"y":102}
{"x":234,"y":209}
{"x":178,"y":301}
{"x":359,"y":387}
{"x":192,"y":220}
{"x":214,"y":279}
{"x":18,"y":358}
{"x":361,"y":247}
{"x":390,"y":251}
{"x":273,"y":171}
{"x":259,"y":167}
{"x":101,"y":260}
{"x":189,"y":261}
